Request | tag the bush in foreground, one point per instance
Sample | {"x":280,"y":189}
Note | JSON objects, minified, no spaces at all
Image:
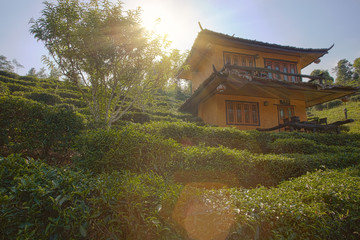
{"x":35,"y":129}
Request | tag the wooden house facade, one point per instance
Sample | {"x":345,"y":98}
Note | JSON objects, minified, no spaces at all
{"x":251,"y":84}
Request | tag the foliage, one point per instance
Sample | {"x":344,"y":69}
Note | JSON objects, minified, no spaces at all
{"x":337,"y":114}
{"x":347,"y":73}
{"x":43,"y":97}
{"x":36,"y":129}
{"x":294,"y":145}
{"x":125,"y":149}
{"x":101,"y":46}
{"x":192,"y":134}
{"x":324,"y":73}
{"x":129,"y":206}
{"x":320,"y":205}
{"x":38,"y":201}
{"x":4,"y":90}
{"x":9,"y":74}
{"x":39,"y":74}
{"x":7,"y":65}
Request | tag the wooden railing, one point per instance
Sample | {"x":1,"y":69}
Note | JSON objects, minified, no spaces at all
{"x":267,"y":73}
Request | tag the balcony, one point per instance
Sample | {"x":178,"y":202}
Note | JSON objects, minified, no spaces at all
{"x":270,"y":74}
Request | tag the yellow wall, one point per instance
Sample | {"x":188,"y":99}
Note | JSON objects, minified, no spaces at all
{"x":213,"y":110}
{"x":215,"y":55}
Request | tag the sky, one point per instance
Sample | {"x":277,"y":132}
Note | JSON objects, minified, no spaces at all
{"x":305,"y":23}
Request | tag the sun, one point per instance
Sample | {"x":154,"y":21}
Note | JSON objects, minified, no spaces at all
{"x":164,"y":18}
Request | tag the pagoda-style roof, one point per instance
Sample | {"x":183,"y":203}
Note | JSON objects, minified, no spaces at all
{"x":206,"y":37}
{"x":255,"y":82}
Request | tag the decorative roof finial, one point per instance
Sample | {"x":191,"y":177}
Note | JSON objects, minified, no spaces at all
{"x":200,"y":26}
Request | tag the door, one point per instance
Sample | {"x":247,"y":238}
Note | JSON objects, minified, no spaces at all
{"x":285,"y":112}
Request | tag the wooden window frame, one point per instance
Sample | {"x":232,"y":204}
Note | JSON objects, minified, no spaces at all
{"x":287,"y":107}
{"x":273,"y":63}
{"x":249,"y":113}
{"x":249,"y":59}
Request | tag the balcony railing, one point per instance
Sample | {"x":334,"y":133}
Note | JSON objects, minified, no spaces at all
{"x":266,"y":73}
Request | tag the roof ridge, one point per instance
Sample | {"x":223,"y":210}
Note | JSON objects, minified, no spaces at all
{"x":249,"y":41}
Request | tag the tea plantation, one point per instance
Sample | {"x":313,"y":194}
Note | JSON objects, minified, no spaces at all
{"x":162,"y":174}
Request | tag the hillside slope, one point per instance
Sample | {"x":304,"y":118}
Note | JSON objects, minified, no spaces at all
{"x":337,"y":114}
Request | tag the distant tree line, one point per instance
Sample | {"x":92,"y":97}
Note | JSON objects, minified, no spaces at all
{"x":347,"y":73}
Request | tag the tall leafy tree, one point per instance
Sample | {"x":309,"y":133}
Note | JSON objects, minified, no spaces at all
{"x":7,"y":65}
{"x":324,"y":73}
{"x":356,"y":66}
{"x":343,"y":72}
{"x":101,"y":46}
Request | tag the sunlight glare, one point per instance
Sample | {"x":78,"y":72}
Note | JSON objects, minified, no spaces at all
{"x":165,"y":18}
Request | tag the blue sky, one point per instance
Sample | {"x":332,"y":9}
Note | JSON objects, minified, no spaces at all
{"x":305,"y":23}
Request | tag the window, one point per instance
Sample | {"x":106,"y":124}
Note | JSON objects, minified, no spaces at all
{"x":285,"y":112}
{"x":239,"y":59}
{"x":284,"y":67}
{"x":242,"y":113}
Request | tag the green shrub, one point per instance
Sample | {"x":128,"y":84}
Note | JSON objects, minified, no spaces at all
{"x":126,"y":149}
{"x":9,"y":74}
{"x":4,"y":90}
{"x":320,"y":205}
{"x":66,"y":106}
{"x":193,"y":134}
{"x":14,"y":87}
{"x":79,"y":103}
{"x":68,"y":94}
{"x":294,"y":145}
{"x":29,"y":78}
{"x":136,"y":117}
{"x":36,"y":129}
{"x":132,"y":206}
{"x":38,"y":201}
{"x":21,"y":82}
{"x":43,"y":97}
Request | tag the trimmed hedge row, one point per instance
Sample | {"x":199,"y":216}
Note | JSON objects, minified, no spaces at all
{"x":39,"y":201}
{"x":193,"y":134}
{"x":36,"y":129}
{"x":254,"y":141}
{"x":126,"y":149}
{"x":320,"y":205}
{"x":131,"y":149}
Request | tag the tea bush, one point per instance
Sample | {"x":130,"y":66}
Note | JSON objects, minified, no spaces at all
{"x":193,"y":134}
{"x":43,"y":97}
{"x":9,"y":74}
{"x":129,"y":206}
{"x":294,"y":145}
{"x":38,"y":201}
{"x":126,"y":149}
{"x":14,"y":87}
{"x":79,"y":103}
{"x":35,"y":129}
{"x":4,"y":89}
{"x":320,"y":205}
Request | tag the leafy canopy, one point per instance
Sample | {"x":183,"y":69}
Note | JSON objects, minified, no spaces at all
{"x":101,"y":46}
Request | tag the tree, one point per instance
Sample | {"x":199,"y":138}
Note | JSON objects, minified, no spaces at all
{"x":39,"y":74}
{"x":6,"y":65}
{"x":343,"y":72}
{"x":325,"y":73}
{"x":31,"y":72}
{"x":99,"y":45}
{"x":356,"y":66}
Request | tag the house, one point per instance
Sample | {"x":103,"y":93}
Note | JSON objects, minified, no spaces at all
{"x":251,"y":84}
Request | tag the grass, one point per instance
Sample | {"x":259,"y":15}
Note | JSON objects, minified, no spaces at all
{"x":337,"y":114}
